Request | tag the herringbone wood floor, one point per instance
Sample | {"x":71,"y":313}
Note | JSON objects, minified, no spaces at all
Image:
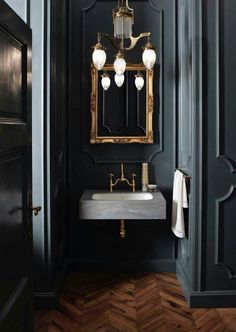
{"x":148,"y":302}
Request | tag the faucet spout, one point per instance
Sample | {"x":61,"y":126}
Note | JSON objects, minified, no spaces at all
{"x":122,"y":172}
{"x":122,"y":179}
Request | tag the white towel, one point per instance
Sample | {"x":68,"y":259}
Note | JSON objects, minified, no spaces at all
{"x":179,"y":202}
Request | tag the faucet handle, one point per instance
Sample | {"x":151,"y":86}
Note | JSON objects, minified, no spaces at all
{"x":111,"y":175}
{"x":133,"y":175}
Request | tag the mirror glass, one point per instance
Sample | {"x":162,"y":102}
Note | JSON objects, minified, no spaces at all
{"x":122,"y":114}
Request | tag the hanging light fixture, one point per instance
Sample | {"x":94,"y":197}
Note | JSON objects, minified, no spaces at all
{"x":99,"y":55}
{"x":119,"y":64}
{"x":106,"y":81}
{"x":123,"y":20}
{"x":139,"y":81}
{"x":119,"y":79}
{"x":149,"y":56}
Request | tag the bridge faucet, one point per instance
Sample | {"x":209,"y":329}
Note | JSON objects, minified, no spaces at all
{"x":122,"y":179}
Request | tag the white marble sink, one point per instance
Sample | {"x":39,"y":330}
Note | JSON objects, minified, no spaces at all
{"x":122,"y":196}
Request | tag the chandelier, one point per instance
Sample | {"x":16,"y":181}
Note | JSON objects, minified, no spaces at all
{"x":123,"y":19}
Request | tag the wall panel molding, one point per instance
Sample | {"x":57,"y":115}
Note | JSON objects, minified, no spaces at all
{"x":185,"y":88}
{"x":90,"y":164}
{"x":220,"y":88}
{"x":97,"y":152}
{"x":221,"y":134}
{"x":219,"y":59}
{"x":220,"y":243}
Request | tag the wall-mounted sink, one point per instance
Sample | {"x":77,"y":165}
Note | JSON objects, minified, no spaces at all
{"x":122,"y":196}
{"x":97,"y":204}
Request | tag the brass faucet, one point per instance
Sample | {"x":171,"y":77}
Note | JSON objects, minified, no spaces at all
{"x":122,"y":179}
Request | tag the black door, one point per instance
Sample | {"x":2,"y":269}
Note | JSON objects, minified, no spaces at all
{"x":15,"y":173}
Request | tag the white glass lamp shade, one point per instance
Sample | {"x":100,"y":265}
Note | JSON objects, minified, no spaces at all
{"x":106,"y":82}
{"x":149,"y":58}
{"x":139,"y":82}
{"x":99,"y":56}
{"x":119,"y":65}
{"x":119,"y":79}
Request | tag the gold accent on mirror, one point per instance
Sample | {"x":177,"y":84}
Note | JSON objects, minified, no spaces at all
{"x":145,"y":139}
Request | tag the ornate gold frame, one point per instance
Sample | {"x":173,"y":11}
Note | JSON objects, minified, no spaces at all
{"x":148,"y":138}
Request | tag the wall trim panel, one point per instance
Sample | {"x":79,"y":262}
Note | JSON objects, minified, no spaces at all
{"x":205,"y":299}
{"x":220,"y":243}
{"x":150,"y":150}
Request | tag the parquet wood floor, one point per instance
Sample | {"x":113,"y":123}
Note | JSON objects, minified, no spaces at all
{"x":150,"y":302}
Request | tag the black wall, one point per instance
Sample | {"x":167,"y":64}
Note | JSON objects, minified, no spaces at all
{"x":194,"y":94}
{"x":96,"y":244}
{"x":207,"y":258}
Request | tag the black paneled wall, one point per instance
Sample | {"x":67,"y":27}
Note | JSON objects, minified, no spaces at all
{"x":186,"y":129}
{"x":58,"y":138}
{"x":207,"y":79}
{"x":95,"y":244}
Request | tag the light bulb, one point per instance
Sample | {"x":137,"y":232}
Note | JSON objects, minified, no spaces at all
{"x":119,"y":64}
{"x":139,"y":81}
{"x":149,"y":56}
{"x":119,"y":79}
{"x":99,"y":56}
{"x":106,"y":82}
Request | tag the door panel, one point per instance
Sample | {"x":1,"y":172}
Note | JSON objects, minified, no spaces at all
{"x":15,"y":171}
{"x":10,"y":71}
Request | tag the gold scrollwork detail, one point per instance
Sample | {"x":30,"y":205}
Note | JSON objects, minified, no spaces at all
{"x":93,"y":103}
{"x":151,"y":104}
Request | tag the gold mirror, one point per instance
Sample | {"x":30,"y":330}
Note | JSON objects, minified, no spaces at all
{"x":122,"y":114}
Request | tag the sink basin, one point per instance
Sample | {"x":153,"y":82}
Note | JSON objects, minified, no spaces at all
{"x":103,"y":205}
{"x":126,"y":196}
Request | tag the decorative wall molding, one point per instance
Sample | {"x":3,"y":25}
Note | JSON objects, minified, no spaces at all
{"x":230,"y":163}
{"x":220,"y":141}
{"x":220,"y":148}
{"x":161,"y":81}
{"x":205,"y":299}
{"x":89,"y":164}
{"x":149,"y":151}
{"x":218,"y":85}
{"x":184,"y":123}
{"x":219,"y":242}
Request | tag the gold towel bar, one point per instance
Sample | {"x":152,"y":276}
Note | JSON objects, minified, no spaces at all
{"x":186,"y":176}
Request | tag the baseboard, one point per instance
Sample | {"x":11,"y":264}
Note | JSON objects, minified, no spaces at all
{"x":181,"y":276}
{"x":49,"y":300}
{"x":122,"y":265}
{"x":205,"y":299}
{"x":213,"y":299}
{"x":45,"y":300}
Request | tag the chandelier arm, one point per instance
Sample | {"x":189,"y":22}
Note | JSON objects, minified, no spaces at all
{"x":134,"y":40}
{"x":116,"y":43}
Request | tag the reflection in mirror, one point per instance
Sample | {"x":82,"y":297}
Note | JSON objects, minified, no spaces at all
{"x":122,"y":112}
